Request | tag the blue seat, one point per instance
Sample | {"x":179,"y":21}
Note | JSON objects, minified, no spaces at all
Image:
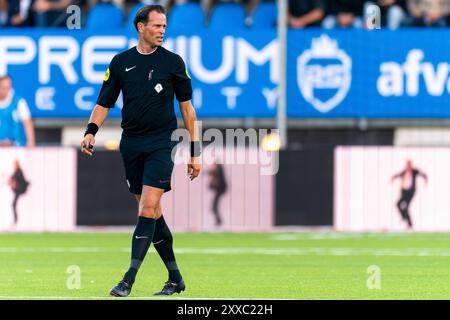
{"x":227,"y":17}
{"x":105,"y":16}
{"x":187,"y":17}
{"x":265,"y":15}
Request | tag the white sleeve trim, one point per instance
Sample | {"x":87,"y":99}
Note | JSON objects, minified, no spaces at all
{"x":23,"y":110}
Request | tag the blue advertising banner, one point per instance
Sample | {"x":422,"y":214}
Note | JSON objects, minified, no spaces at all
{"x":374,"y":74}
{"x":330,"y":74}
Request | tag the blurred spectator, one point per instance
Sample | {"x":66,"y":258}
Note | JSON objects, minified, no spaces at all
{"x":392,"y":12}
{"x":344,"y":14}
{"x":50,"y":13}
{"x":431,"y":13}
{"x":127,"y":5}
{"x":305,"y":13}
{"x":3,"y":12}
{"x":21,"y":12}
{"x":14,"y":12}
{"x":16,"y":126}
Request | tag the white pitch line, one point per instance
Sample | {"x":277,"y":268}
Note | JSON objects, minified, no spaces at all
{"x":419,"y":252}
{"x":128,"y":298}
{"x":406,"y":236}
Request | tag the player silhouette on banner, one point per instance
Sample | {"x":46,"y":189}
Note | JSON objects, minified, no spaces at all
{"x":218,"y":184}
{"x":19,"y":186}
{"x":408,"y":188}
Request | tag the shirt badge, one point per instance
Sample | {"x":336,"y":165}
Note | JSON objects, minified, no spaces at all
{"x":158,"y":88}
{"x":106,"y":77}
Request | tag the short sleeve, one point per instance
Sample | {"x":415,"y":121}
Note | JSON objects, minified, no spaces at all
{"x":111,"y":86}
{"x":181,"y":81}
{"x":23,"y":110}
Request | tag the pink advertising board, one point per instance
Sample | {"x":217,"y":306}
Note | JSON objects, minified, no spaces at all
{"x":37,"y":189}
{"x":374,"y":189}
{"x":247,"y":204}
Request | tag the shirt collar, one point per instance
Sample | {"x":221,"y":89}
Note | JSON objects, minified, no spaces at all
{"x":146,"y":54}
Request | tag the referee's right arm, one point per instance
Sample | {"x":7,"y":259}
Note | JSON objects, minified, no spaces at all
{"x":106,"y":99}
{"x":97,"y":118}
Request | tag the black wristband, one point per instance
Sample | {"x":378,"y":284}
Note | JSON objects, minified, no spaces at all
{"x":195,"y":149}
{"x":91,"y":128}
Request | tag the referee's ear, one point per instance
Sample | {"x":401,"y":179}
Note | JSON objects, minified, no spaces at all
{"x":140,"y":26}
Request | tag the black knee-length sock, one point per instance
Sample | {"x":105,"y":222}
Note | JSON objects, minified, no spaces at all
{"x":163,"y":243}
{"x":142,"y":238}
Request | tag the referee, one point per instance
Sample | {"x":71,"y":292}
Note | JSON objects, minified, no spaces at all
{"x":149,"y":77}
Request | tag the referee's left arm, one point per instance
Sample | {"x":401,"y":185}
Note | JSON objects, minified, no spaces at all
{"x":183,"y":92}
{"x":190,"y":119}
{"x":191,"y":124}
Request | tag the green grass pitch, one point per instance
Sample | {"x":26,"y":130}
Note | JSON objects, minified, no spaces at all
{"x":287,"y":265}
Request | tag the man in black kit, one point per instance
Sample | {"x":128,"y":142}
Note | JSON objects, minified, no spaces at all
{"x":149,"y":77}
{"x":408,"y":187}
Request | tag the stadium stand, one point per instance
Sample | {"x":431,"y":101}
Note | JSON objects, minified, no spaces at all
{"x":264,"y":15}
{"x":223,"y":13}
{"x":105,"y":15}
{"x":195,"y":15}
{"x":188,"y":17}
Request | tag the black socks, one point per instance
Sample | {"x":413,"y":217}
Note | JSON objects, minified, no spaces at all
{"x":163,"y":242}
{"x":142,"y":238}
{"x":148,"y":230}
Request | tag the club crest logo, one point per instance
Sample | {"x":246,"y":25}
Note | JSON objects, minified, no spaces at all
{"x":324,"y":74}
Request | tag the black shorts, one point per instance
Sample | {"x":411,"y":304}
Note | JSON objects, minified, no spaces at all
{"x":147,"y":161}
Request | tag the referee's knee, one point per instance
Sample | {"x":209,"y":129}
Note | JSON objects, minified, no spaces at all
{"x":149,"y":211}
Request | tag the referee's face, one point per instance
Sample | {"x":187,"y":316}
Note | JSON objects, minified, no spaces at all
{"x":153,"y":31}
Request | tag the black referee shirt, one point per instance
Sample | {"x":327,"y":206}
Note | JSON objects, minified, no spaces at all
{"x":148,"y":83}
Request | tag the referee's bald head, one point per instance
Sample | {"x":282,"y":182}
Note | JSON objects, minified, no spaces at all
{"x":143,"y":14}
